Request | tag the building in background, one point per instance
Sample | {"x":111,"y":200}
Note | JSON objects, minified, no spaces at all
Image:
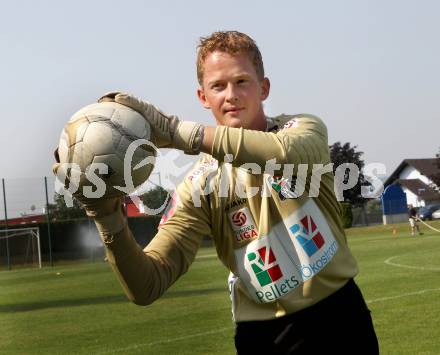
{"x":24,"y":220}
{"x":415,"y":178}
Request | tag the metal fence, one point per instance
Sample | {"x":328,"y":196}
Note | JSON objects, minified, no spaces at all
{"x":365,"y":217}
{"x":70,"y":235}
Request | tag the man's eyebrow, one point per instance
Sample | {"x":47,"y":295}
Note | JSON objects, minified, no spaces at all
{"x":213,"y":82}
{"x":241,"y":75}
{"x":235,"y":76}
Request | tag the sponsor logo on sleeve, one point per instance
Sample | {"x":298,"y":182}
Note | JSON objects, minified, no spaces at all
{"x":209,"y":165}
{"x":293,"y":123}
{"x":170,"y":209}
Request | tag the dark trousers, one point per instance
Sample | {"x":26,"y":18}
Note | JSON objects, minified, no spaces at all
{"x":339,"y":324}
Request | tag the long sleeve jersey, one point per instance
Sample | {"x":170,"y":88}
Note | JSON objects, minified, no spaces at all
{"x":267,"y":200}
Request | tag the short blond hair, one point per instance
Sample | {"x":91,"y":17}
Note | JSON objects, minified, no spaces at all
{"x":231,"y":42}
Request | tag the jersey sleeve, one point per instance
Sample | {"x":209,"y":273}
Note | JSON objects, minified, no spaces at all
{"x":146,"y":274}
{"x":302,"y":139}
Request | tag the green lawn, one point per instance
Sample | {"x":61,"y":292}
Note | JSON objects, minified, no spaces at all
{"x":80,"y":308}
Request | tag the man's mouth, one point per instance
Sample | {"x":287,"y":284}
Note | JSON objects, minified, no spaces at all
{"x":233,"y":110}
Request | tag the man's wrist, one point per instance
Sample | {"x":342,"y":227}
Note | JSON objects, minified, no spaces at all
{"x":198,"y":139}
{"x":98,"y":207}
{"x":207,"y":139}
{"x":188,"y":136}
{"x":110,"y":225}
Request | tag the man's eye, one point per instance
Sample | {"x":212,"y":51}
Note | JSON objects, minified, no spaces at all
{"x":241,"y":81}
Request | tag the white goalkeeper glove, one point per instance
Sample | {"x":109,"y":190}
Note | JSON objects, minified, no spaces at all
{"x":169,"y":131}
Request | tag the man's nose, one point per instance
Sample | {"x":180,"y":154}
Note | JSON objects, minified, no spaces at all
{"x":231,"y":93}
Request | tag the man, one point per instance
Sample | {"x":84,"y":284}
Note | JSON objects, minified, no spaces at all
{"x":291,"y":280}
{"x":413,"y":220}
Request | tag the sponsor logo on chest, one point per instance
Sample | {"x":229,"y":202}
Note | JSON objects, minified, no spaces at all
{"x":294,"y":251}
{"x":243,"y":225}
{"x":283,"y":186}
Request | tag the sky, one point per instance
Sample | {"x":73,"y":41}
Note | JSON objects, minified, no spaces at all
{"x":368,"y":68}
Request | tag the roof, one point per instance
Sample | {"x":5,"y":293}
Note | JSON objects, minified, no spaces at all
{"x":28,"y":219}
{"x":419,"y":188}
{"x":427,"y":167}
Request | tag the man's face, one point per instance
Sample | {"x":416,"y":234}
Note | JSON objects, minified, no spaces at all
{"x":233,"y":92}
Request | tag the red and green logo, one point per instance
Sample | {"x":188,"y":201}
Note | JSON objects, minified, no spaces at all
{"x":308,"y":235}
{"x":264,"y":266}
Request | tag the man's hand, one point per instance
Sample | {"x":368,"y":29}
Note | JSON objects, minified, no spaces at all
{"x":106,"y":211}
{"x":169,"y":131}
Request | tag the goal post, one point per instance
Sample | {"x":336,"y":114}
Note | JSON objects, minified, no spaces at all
{"x":21,"y":246}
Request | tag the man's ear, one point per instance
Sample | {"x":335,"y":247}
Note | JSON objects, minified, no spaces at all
{"x":202,"y":98}
{"x":265,"y":88}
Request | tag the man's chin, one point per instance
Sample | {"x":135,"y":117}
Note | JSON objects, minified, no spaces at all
{"x":233,"y":120}
{"x":235,"y":123}
{"x":230,"y":122}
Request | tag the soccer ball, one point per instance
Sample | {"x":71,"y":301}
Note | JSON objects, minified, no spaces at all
{"x":111,"y":141}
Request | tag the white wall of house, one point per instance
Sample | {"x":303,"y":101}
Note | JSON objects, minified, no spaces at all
{"x":412,"y":173}
{"x":412,"y":199}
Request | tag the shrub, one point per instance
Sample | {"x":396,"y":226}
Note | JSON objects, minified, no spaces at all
{"x":347,"y":215}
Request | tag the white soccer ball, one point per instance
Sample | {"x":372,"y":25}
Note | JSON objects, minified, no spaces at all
{"x":102,"y":133}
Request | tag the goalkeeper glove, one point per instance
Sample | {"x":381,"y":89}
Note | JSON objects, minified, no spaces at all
{"x":169,"y":131}
{"x":106,"y":211}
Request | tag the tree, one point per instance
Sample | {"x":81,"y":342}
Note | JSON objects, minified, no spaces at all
{"x":435,"y":178}
{"x":155,"y":197}
{"x":345,"y":153}
{"x":60,"y":211}
{"x":347,"y":215}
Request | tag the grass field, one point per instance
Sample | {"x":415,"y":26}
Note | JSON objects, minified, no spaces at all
{"x":80,"y":308}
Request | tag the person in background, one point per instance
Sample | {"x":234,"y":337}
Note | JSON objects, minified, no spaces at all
{"x":413,"y":220}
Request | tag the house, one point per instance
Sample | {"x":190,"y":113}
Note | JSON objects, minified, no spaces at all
{"x":415,"y":178}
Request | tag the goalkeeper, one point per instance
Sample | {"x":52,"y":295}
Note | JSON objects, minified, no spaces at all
{"x":291,"y":271}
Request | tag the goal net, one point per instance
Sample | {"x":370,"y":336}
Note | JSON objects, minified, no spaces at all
{"x":20,"y":247}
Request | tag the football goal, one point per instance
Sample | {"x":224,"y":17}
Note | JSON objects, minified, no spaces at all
{"x":20,"y":247}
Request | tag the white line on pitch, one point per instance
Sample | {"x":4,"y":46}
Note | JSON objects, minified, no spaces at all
{"x":208,"y":256}
{"x":389,"y":262}
{"x":134,"y":347}
{"x":403,"y":295}
{"x":172,"y":340}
